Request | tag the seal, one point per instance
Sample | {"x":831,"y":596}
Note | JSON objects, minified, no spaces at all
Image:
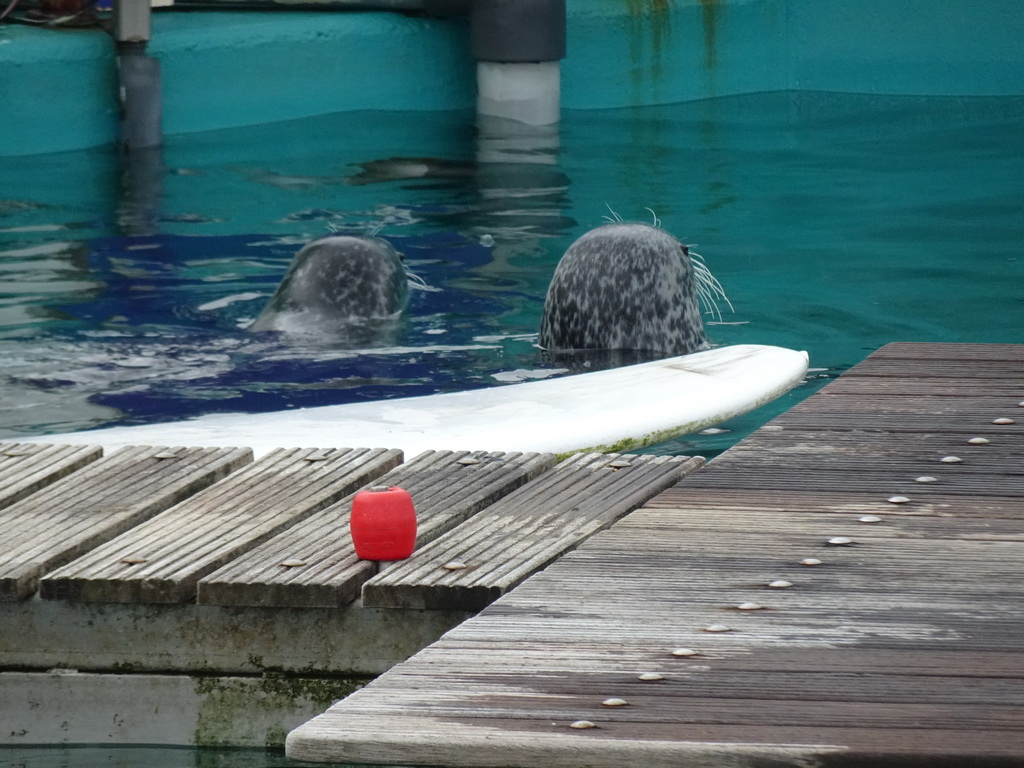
{"x":627,"y":286}
{"x":340,"y":286}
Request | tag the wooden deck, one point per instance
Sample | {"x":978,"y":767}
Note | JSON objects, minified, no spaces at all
{"x":845,"y":587}
{"x":157,"y":525}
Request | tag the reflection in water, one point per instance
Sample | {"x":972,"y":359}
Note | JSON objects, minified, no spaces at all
{"x":141,"y":189}
{"x":513,"y":189}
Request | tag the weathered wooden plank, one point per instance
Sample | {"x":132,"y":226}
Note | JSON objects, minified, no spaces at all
{"x":718,"y":694}
{"x":524,"y":532}
{"x":27,"y":467}
{"x":74,"y":515}
{"x":873,"y":485}
{"x":493,"y":742}
{"x":447,"y":488}
{"x":882,"y":454}
{"x":887,"y":403}
{"x":623,"y":663}
{"x":987,"y":510}
{"x":929,"y":352}
{"x":982,"y":422}
{"x":951,"y":388}
{"x":1008,"y":372}
{"x":161,"y":560}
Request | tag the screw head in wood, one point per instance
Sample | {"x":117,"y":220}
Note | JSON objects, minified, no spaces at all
{"x":717,"y":628}
{"x":685,"y":652}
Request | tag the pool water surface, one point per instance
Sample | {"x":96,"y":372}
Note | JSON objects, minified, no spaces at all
{"x":836,"y":223}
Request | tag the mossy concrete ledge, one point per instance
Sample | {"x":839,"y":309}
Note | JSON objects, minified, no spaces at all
{"x":71,"y":707}
{"x":186,"y":638}
{"x":190,"y":675}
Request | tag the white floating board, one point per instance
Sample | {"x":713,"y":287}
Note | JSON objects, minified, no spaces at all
{"x":619,"y":409}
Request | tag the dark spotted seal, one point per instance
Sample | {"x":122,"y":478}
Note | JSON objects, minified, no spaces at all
{"x":353,"y":287}
{"x":626,"y":286}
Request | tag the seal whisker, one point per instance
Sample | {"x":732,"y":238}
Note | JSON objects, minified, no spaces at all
{"x":709,"y":289}
{"x":418,"y":283}
{"x":708,"y":303}
{"x":709,"y":284}
{"x":614,"y":218}
{"x":657,"y":221}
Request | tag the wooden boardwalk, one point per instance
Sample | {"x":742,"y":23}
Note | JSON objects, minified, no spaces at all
{"x":845,"y":587}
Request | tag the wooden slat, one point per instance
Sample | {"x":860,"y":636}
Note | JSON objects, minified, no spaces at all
{"x":893,"y":354}
{"x":952,"y":506}
{"x":27,"y":467}
{"x":524,"y":532}
{"x":161,"y":560}
{"x":539,"y":741}
{"x":887,"y":404}
{"x":902,"y":646}
{"x":950,"y":389}
{"x":447,"y":488}
{"x":74,"y":515}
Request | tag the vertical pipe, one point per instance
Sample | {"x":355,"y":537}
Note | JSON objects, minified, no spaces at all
{"x":517,"y":45}
{"x":138,"y":76}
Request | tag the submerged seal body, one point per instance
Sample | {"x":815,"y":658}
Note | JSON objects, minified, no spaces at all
{"x":624,"y":286}
{"x":339,"y":285}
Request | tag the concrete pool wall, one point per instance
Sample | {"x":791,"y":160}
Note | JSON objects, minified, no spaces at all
{"x":234,"y":68}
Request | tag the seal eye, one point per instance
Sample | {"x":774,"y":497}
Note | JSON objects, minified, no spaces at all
{"x":686,"y":251}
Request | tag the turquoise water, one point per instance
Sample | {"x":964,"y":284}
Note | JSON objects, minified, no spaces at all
{"x":836,"y":223}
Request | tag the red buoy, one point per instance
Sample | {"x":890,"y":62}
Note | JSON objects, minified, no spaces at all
{"x":383,"y":523}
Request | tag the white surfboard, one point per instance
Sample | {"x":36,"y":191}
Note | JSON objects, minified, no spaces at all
{"x":618,"y":410}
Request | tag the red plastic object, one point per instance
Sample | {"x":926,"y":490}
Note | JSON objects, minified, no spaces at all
{"x":383,"y":523}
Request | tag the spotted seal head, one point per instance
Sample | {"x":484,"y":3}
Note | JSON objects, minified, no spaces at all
{"x":353,"y":287}
{"x":627,"y":286}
